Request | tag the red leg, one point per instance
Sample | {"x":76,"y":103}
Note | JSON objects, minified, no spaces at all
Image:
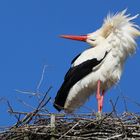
{"x":100,"y":98}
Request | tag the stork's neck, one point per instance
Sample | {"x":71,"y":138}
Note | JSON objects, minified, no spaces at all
{"x":122,"y":46}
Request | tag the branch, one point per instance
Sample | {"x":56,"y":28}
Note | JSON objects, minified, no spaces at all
{"x":41,"y":79}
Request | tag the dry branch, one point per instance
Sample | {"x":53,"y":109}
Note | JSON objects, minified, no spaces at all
{"x":78,"y":127}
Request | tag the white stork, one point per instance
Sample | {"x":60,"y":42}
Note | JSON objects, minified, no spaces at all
{"x":100,"y":67}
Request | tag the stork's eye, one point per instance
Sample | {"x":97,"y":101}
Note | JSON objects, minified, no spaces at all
{"x":92,"y":39}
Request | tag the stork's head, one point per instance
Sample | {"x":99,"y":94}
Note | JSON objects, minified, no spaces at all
{"x":93,"y":39}
{"x":118,"y":30}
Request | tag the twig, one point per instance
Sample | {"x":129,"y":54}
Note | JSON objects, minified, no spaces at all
{"x":131,"y":100}
{"x":41,"y":79}
{"x":57,"y":115}
{"x":114,"y":105}
{"x":123,"y":128}
{"x":116,"y":136}
{"x":124,"y":101}
{"x":11,"y":109}
{"x":16,"y":116}
{"x":120,"y":91}
{"x":24,"y":103}
{"x":69,"y":130}
{"x":42,"y":103}
{"x":37,"y":93}
{"x":27,"y":92}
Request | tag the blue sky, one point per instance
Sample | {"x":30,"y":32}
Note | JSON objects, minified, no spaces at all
{"x":29,"y":39}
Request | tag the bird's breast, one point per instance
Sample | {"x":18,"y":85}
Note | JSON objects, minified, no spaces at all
{"x":111,"y":70}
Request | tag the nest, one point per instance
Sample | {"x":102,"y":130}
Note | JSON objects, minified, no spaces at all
{"x":76,"y":127}
{"x":40,"y":124}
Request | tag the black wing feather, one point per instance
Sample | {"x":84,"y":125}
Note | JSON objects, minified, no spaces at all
{"x":73,"y":75}
{"x":75,"y":58}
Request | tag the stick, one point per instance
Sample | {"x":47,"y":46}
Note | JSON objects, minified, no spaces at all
{"x":52,"y":126}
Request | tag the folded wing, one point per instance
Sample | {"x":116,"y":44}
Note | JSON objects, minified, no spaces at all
{"x":74,"y":74}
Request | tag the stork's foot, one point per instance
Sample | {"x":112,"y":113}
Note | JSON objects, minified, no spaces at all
{"x":99,"y":115}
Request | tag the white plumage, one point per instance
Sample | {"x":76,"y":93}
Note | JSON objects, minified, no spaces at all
{"x":116,"y":37}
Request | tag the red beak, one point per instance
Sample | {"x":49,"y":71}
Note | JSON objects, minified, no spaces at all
{"x":75,"y":37}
